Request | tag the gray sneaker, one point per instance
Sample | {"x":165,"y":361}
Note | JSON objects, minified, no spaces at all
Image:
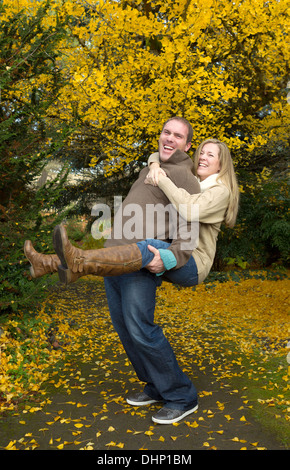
{"x":140,"y":399}
{"x":169,"y":416}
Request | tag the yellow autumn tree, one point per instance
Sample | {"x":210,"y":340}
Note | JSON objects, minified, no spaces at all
{"x":129,"y":65}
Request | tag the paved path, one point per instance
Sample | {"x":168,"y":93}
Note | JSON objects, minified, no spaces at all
{"x":87,"y":408}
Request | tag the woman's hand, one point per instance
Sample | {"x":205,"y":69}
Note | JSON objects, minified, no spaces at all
{"x":153,"y":175}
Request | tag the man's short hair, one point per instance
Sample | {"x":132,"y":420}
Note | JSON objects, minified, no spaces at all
{"x":186,"y":122}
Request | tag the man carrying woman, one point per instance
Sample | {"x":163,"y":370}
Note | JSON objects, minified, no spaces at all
{"x":133,"y":271}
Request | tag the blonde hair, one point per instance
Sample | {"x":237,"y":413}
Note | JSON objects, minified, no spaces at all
{"x":226,"y":175}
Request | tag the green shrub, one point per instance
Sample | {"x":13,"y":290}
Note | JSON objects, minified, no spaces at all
{"x":27,"y":209}
{"x":261,"y":236}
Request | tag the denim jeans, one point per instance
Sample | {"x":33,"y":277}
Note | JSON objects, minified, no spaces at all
{"x":185,"y":276}
{"x":131,"y":300}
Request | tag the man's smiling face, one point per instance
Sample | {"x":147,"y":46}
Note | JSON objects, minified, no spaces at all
{"x":173,"y":137}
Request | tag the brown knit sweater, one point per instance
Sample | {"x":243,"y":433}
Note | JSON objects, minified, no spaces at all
{"x":146,"y":212}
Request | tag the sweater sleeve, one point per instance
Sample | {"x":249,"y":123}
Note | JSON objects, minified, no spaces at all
{"x":154,"y":158}
{"x":184,"y":237}
{"x":212,"y":203}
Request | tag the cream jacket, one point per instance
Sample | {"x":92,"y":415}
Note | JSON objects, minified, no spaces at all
{"x":212,"y":203}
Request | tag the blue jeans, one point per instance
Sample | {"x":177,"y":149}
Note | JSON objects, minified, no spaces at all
{"x":185,"y":276}
{"x":131,"y":300}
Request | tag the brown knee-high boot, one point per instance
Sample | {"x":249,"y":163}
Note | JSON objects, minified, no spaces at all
{"x":112,"y":261}
{"x":43,"y":264}
{"x":40,"y":264}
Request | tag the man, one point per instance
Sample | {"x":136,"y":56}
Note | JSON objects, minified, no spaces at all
{"x":131,"y":297}
{"x":131,"y":291}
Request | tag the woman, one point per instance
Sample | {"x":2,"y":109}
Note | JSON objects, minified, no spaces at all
{"x":217,"y":202}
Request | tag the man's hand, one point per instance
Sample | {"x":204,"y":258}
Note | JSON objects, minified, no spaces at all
{"x":156,"y":265}
{"x":153,"y":175}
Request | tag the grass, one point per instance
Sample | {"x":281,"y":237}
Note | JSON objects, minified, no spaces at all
{"x":266,"y":388}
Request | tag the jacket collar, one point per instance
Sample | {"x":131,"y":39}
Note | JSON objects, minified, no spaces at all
{"x":209,"y":182}
{"x":178,"y":158}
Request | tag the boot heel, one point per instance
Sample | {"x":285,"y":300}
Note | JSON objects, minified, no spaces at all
{"x":64,"y":275}
{"x":58,"y":245}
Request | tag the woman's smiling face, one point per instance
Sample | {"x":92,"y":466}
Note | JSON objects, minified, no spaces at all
{"x":208,"y":162}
